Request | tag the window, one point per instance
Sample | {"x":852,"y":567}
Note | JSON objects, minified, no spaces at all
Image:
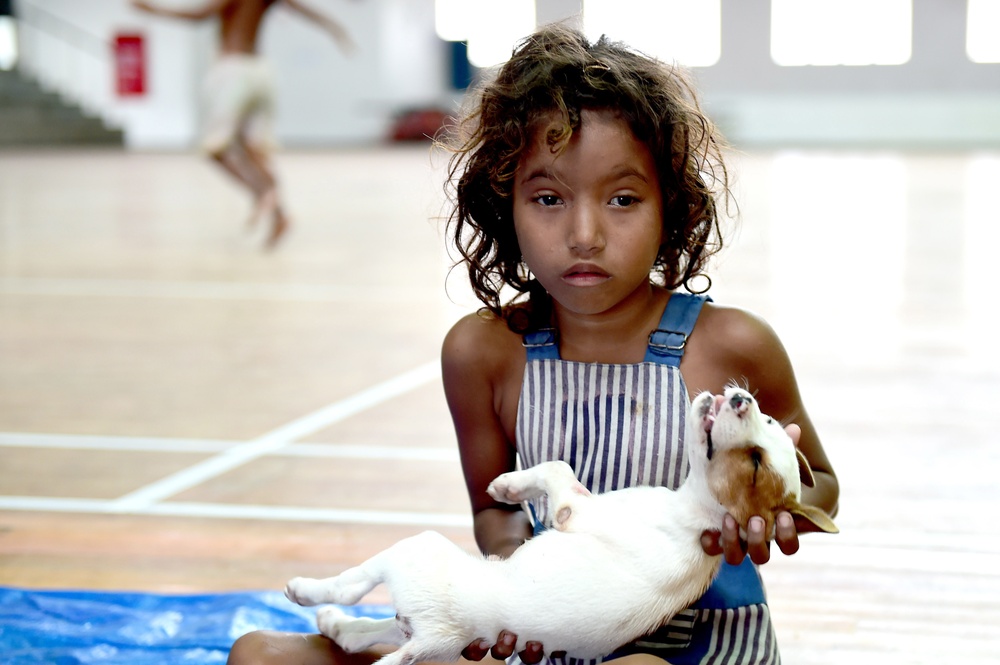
{"x":841,"y":32}
{"x":8,"y":43}
{"x":685,"y":31}
{"x":490,"y":27}
{"x":982,"y":37}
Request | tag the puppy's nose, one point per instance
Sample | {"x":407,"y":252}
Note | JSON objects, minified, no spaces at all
{"x":740,"y":402}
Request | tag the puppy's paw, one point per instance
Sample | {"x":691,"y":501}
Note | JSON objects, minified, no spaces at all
{"x":702,"y":405}
{"x":330,"y":621}
{"x":513,"y":487}
{"x":306,"y":591}
{"x":517,"y":486}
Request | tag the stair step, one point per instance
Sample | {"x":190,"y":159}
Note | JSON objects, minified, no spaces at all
{"x":16,"y":114}
{"x":31,"y":98}
{"x":32,"y":116}
{"x":51,"y":135}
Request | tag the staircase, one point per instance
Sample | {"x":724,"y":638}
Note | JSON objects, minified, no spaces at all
{"x":31,"y":116}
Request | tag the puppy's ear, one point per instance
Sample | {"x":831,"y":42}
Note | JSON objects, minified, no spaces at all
{"x":805,"y":471}
{"x":816,"y":517}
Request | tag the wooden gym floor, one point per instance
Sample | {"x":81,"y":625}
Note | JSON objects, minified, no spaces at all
{"x":180,"y":411}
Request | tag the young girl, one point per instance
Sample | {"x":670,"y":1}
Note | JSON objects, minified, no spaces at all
{"x":587,"y":183}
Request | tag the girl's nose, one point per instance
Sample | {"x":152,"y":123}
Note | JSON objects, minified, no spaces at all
{"x":586,"y":235}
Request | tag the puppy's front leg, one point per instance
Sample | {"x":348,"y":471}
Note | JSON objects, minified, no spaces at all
{"x":553,"y":479}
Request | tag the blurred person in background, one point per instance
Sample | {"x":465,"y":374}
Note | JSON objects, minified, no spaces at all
{"x":239,"y":97}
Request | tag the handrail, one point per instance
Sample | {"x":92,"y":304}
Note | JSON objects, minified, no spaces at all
{"x":72,"y":34}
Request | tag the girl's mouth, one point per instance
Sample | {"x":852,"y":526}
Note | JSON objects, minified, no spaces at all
{"x":585,"y":274}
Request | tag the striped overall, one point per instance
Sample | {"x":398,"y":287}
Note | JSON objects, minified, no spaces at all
{"x":623,"y":425}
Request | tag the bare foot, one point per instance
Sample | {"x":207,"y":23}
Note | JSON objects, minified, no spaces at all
{"x":279,"y":226}
{"x":264,"y":207}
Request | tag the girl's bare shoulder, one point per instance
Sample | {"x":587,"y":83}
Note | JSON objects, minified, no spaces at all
{"x":483,"y":344}
{"x":733,"y":328}
{"x":482,"y":366}
{"x":732,"y":344}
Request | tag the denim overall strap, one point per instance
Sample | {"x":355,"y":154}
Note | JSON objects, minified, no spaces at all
{"x":541,"y":344}
{"x":666,"y":343}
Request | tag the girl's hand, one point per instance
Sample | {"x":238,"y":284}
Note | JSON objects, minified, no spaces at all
{"x":533,"y":651}
{"x":728,"y":542}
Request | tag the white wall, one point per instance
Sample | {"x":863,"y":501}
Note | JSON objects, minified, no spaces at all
{"x":326,"y":97}
{"x":937,"y":99}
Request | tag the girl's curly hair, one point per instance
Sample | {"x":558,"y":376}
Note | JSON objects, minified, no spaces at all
{"x":556,"y":70}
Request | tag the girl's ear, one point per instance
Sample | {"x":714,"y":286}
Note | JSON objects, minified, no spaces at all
{"x":805,"y":471}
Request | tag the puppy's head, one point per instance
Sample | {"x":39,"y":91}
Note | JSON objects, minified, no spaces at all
{"x":751,"y":465}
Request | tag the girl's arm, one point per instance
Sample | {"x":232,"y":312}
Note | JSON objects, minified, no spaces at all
{"x":734,"y":345}
{"x":335,"y":29}
{"x":207,"y":9}
{"x":481,"y":364}
{"x":474,"y":367}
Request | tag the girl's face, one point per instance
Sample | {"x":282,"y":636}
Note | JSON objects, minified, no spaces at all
{"x":589,"y":218}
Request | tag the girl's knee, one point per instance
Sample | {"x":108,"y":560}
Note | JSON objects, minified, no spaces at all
{"x":640,"y":659}
{"x":258,"y":648}
{"x":265,"y":647}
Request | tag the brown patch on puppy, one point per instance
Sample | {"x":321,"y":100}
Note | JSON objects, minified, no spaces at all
{"x":745,"y":481}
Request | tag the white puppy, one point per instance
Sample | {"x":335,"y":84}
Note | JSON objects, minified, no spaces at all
{"x":612,"y":568}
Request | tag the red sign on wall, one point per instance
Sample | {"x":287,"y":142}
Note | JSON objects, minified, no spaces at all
{"x":130,"y":65}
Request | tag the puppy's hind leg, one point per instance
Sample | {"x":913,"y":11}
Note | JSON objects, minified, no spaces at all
{"x":351,"y":585}
{"x":355,"y":634}
{"x":345,"y":589}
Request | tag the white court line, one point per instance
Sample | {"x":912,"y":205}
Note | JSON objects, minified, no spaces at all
{"x":200,"y":290}
{"x":238,"y":511}
{"x":171,"y":445}
{"x":300,"y":514}
{"x":364,"y":451}
{"x":112,"y":443}
{"x":240,"y":454}
{"x":54,"y":504}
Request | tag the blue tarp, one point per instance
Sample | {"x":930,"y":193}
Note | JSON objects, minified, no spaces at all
{"x":111,"y":628}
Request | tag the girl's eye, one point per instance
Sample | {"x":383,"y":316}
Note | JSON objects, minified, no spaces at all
{"x":547,"y":200}
{"x":623,"y":200}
